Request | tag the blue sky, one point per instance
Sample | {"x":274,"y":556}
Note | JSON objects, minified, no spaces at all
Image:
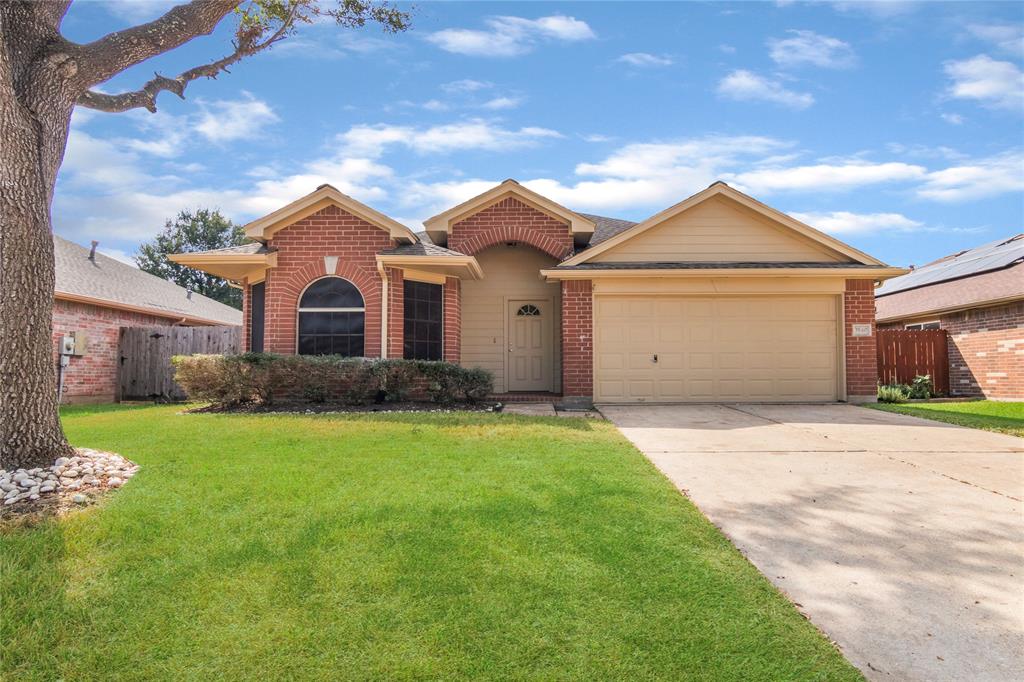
{"x":898,"y":127}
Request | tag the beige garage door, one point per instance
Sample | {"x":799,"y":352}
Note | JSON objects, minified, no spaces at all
{"x":705,"y":349}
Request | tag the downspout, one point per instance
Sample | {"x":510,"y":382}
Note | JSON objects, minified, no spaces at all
{"x":383,"y":310}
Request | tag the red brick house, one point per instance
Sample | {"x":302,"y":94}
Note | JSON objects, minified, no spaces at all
{"x":95,"y":296}
{"x":718,"y":298}
{"x":977,"y":296}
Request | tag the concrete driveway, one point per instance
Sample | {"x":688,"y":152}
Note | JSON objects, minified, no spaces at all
{"x":902,"y":539}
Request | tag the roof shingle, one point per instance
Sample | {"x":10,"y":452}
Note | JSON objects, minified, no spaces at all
{"x":110,"y":280}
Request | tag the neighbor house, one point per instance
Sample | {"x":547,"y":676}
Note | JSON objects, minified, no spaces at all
{"x":977,"y":296}
{"x":95,"y":296}
{"x":718,"y":298}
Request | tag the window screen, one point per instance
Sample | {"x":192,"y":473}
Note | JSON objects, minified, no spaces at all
{"x":331,"y":319}
{"x":424,"y":321}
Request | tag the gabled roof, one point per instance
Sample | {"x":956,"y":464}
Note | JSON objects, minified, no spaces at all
{"x":104,"y":281}
{"x":722,"y":189}
{"x":325,"y":195}
{"x":985,"y":258}
{"x":440,"y":226}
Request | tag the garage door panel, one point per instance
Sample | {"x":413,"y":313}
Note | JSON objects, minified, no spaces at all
{"x":716,"y":348}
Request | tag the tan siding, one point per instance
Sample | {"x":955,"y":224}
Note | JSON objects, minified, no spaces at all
{"x":719,"y":230}
{"x":509,"y":273}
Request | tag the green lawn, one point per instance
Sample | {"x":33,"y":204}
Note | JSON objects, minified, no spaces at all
{"x":388,"y":547}
{"x":982,"y":414}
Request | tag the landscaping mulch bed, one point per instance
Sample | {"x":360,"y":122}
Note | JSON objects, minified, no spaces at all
{"x":332,"y":407}
{"x":68,"y":483}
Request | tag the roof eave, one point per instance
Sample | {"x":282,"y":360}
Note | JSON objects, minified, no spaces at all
{"x":878,"y":273}
{"x":463,"y":267}
{"x":157,"y":312}
{"x":988,"y":303}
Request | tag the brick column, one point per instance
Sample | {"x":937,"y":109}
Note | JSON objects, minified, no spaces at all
{"x":577,"y":342}
{"x":396,"y":313}
{"x":453,"y":320}
{"x":861,"y":351}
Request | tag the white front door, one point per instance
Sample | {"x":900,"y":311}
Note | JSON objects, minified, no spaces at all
{"x":529,"y":346}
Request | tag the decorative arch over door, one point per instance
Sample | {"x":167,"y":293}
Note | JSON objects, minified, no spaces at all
{"x":332,"y":319}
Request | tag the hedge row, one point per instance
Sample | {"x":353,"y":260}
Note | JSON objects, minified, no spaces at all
{"x":229,"y":380}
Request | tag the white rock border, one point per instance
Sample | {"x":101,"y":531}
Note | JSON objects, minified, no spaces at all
{"x":69,"y":479}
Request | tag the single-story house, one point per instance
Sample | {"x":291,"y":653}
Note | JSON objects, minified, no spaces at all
{"x":718,"y":298}
{"x":95,"y":296}
{"x":977,"y":296}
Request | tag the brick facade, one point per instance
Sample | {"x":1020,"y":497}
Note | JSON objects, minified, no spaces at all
{"x":301,"y":249}
{"x":510,"y":220}
{"x":453,"y":320}
{"x":577,"y":341}
{"x":986,"y":351}
{"x":861,"y":351}
{"x":93,"y":377}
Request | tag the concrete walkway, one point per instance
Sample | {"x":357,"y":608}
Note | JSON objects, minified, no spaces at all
{"x":901,"y":538}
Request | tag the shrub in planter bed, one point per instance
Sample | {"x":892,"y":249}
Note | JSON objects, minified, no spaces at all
{"x":893,"y":393}
{"x":228,"y":380}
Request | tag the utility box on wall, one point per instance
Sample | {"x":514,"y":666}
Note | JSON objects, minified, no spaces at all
{"x":73,"y":343}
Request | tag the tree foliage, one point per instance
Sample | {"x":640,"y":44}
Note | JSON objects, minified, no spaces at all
{"x":199,"y":230}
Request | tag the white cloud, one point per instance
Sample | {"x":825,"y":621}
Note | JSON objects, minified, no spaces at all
{"x":878,"y":9}
{"x":644,"y":59}
{"x":372,"y":140}
{"x":511,"y":36}
{"x":227,"y":120}
{"x":954,"y":119}
{"x":466,"y":85}
{"x":597,"y":137}
{"x":435,"y":105}
{"x":825,"y":176}
{"x":726,"y":48}
{"x":844,"y":222}
{"x":1007,"y":37}
{"x":975,"y":180}
{"x":993,"y":83}
{"x":502,"y":103}
{"x":810,"y":48}
{"x":745,"y":85}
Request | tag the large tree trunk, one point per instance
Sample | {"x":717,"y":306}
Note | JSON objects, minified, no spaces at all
{"x":36,"y":101}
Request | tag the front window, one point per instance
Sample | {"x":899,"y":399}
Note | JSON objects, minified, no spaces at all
{"x":424,"y":321}
{"x":331,"y":318}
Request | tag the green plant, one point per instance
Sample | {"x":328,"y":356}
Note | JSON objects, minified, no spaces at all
{"x":922,"y":388}
{"x":893,"y":393}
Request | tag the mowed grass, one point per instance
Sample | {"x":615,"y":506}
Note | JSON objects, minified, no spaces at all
{"x":981,"y":414}
{"x":432,"y":546}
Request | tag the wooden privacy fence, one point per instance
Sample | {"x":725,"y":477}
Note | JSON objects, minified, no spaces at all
{"x":144,"y":371}
{"x":903,"y":355}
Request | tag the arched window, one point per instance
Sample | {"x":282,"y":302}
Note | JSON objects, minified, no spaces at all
{"x":331,"y":318}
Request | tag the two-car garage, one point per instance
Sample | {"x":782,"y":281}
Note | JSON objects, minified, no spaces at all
{"x":666,"y":348}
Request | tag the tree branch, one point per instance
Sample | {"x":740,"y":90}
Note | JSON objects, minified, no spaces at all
{"x":145,"y":97}
{"x":113,"y":53}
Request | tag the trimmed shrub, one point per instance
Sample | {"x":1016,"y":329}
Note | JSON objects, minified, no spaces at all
{"x":893,"y":393}
{"x":230,"y":380}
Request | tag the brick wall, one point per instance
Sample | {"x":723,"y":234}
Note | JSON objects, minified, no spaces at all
{"x":510,"y":220}
{"x":93,"y":377}
{"x":453,"y":320}
{"x":302,"y":247}
{"x":986,"y":350}
{"x":861,"y":352}
{"x":577,"y":341}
